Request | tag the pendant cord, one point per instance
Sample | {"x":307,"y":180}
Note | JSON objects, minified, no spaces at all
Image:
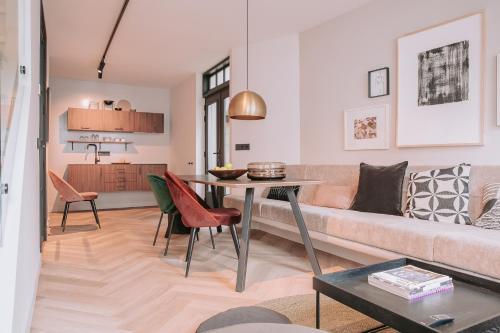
{"x":247,"y":44}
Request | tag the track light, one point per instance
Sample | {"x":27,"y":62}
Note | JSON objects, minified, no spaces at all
{"x":100,"y":69}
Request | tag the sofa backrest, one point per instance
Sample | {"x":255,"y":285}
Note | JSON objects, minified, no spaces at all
{"x":349,"y":175}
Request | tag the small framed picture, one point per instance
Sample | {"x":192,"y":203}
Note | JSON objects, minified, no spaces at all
{"x":367,"y":128}
{"x":378,"y":82}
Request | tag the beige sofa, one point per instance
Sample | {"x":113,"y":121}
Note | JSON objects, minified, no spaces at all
{"x":367,"y":238}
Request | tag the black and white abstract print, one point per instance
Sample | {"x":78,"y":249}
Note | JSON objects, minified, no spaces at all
{"x":443,"y":74}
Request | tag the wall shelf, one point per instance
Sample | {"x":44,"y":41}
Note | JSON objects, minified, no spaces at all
{"x":99,"y":143}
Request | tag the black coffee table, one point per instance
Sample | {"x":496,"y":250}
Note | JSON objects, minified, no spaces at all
{"x":474,"y":302}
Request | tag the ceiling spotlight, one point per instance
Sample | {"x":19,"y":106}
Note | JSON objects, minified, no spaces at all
{"x":100,"y":69}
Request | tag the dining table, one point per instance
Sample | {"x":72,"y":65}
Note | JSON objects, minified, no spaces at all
{"x":249,"y":186}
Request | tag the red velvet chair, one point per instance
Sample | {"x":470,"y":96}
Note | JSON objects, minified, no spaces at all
{"x":195,"y":216}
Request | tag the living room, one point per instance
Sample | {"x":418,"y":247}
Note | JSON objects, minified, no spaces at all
{"x":329,"y":147}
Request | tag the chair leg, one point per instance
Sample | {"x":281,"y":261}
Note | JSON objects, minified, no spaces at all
{"x":236,"y":241}
{"x":197,"y":234}
{"x":190,"y":249}
{"x":158,"y":229}
{"x":170,"y":227}
{"x":212,"y":237}
{"x":65,"y":215}
{"x":94,"y":209}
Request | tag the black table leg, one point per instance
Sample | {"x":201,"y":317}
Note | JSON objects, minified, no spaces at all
{"x":299,"y":219}
{"x":317,"y":310}
{"x":245,"y":240}
{"x":215,"y":202}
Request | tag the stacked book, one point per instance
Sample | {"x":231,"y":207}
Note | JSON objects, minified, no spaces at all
{"x":410,"y":282}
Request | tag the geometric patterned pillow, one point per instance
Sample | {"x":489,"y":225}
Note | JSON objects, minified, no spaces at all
{"x":490,"y":217}
{"x":440,"y":195}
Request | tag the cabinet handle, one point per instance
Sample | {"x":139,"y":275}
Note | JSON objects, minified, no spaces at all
{"x":119,"y":128}
{"x":84,"y":127}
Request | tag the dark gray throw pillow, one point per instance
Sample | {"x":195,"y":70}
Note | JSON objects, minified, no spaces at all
{"x":380,"y":189}
{"x":279,"y":193}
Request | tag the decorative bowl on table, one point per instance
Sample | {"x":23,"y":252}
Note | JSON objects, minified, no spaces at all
{"x":229,"y":174}
{"x":266,"y":170}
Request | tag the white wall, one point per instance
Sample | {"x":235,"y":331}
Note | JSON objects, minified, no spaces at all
{"x":147,"y":148}
{"x":183,"y":127}
{"x":19,"y":251}
{"x":336,"y":56}
{"x":273,"y":74}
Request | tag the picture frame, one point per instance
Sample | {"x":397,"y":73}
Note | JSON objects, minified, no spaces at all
{"x":435,"y":109}
{"x":367,"y":128}
{"x":378,"y":82}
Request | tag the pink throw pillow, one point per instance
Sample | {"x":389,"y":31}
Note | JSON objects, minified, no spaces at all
{"x":334,"y":196}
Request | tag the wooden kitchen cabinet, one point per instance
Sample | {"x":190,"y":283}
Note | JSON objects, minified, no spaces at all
{"x":85,"y":120}
{"x":148,"y":122}
{"x":114,"y":121}
{"x":112,"y":177}
{"x":118,"y":121}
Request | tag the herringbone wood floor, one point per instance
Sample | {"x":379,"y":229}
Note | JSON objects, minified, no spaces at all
{"x":113,"y":280}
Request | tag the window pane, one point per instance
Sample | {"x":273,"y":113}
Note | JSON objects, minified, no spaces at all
{"x":220,"y":77}
{"x":212,"y":136}
{"x":212,"y":83}
{"x":226,"y":73}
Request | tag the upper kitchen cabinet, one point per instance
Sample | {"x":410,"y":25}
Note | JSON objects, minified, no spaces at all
{"x":85,"y":120}
{"x":114,"y":121}
{"x":118,"y":121}
{"x":148,"y":122}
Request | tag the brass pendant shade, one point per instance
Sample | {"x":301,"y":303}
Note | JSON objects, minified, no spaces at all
{"x":247,"y":105}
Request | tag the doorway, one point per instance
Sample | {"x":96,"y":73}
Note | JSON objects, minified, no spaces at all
{"x":217,"y":126}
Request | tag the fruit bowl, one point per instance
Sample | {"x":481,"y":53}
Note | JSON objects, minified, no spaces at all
{"x":228,"y":174}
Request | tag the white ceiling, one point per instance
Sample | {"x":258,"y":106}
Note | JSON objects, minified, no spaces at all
{"x":160,"y":42}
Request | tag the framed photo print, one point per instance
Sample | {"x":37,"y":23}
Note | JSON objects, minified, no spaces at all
{"x":378,"y":82}
{"x":440,"y":79}
{"x":367,"y":128}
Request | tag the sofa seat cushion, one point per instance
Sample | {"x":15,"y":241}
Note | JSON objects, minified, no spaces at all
{"x":471,"y":248}
{"x":313,"y":215}
{"x":238,"y":202}
{"x":399,"y":234}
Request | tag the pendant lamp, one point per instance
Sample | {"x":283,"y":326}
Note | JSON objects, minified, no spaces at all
{"x":247,"y":104}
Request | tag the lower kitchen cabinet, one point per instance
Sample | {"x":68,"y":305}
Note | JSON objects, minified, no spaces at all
{"x":112,"y":177}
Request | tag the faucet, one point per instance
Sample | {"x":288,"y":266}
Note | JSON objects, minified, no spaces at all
{"x":96,"y":156}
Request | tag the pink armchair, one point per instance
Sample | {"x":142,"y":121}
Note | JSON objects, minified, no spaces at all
{"x":68,"y":194}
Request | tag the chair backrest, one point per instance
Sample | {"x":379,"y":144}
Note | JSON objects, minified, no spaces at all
{"x":161,"y":193}
{"x":193,"y":213}
{"x":66,"y":191}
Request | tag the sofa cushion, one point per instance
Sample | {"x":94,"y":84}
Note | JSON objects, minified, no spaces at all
{"x":380,"y":189}
{"x":471,"y":248}
{"x":490,"y":216}
{"x":313,"y":215}
{"x":403,"y":235}
{"x":334,"y":196}
{"x":238,"y":201}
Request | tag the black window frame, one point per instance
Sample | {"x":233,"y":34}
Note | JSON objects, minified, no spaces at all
{"x":218,"y":68}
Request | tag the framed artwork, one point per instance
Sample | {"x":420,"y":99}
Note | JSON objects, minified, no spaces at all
{"x":367,"y":128}
{"x":378,"y":82}
{"x":440,"y":85}
{"x":498,"y":89}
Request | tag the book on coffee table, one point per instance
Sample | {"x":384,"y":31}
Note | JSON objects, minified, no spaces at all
{"x":410,"y":282}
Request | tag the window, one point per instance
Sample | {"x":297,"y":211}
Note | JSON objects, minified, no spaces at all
{"x":216,"y":78}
